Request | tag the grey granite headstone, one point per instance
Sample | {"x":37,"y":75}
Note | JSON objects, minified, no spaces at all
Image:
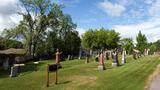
{"x":123,"y":57}
{"x":115,"y":60}
{"x":14,"y":71}
{"x":69,"y":57}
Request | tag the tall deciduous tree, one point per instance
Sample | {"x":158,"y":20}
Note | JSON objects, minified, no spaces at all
{"x":42,"y":22}
{"x":141,"y":42}
{"x":100,"y":38}
{"x":127,"y":43}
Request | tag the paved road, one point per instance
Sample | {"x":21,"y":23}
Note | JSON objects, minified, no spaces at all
{"x":155,"y":85}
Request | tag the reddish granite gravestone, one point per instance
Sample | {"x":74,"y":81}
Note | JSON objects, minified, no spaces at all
{"x":101,"y":65}
{"x":58,"y":55}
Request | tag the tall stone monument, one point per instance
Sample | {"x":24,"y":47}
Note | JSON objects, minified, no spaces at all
{"x":87,"y":58}
{"x":123,"y":56}
{"x":101,"y":65}
{"x":58,"y":56}
{"x":115,"y":62}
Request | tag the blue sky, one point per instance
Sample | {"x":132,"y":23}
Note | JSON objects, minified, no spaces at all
{"x":125,"y":16}
{"x":93,"y":14}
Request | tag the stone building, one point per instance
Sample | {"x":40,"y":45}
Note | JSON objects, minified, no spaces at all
{"x":11,"y":56}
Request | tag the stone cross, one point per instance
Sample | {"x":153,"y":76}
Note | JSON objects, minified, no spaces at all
{"x":101,"y":61}
{"x":123,"y":57}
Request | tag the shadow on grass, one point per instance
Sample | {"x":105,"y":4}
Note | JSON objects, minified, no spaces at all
{"x":65,"y":82}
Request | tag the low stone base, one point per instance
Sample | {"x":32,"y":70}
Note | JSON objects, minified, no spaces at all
{"x":114,"y":64}
{"x":101,"y":67}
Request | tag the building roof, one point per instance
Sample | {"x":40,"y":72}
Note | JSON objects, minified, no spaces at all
{"x":13,"y":51}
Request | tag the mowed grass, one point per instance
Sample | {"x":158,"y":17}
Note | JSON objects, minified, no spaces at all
{"x":76,"y":75}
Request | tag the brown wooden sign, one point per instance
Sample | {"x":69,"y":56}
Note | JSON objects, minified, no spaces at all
{"x":53,"y":68}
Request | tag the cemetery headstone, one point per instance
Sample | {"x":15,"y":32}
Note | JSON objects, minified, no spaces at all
{"x":123,"y":56}
{"x":97,"y":57}
{"x":87,"y":59}
{"x":134,"y":55}
{"x":58,"y":56}
{"x":101,"y":65}
{"x":80,"y":52}
{"x":69,"y":57}
{"x":14,"y":71}
{"x":107,"y":55}
{"x":35,"y":64}
{"x":19,"y":67}
{"x":115,"y":62}
{"x":145,"y":51}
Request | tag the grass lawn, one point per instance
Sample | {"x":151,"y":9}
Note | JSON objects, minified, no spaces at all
{"x":76,"y":75}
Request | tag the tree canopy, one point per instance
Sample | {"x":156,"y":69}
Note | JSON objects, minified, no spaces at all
{"x":44,"y":21}
{"x":100,"y":38}
{"x":141,"y":42}
{"x":127,"y":44}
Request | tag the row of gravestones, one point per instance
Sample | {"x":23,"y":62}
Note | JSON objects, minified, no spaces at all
{"x":101,"y":57}
{"x":115,"y":62}
{"x":104,"y":54}
{"x":15,"y":69}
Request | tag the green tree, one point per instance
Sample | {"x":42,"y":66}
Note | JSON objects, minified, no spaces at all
{"x":8,"y":43}
{"x":72,"y":43}
{"x":42,"y":22}
{"x":157,"y":44}
{"x":100,"y":38}
{"x":127,"y":43}
{"x":153,"y":48}
{"x":141,"y":42}
{"x":89,"y":39}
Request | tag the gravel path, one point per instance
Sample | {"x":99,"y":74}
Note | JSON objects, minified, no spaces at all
{"x":155,"y":85}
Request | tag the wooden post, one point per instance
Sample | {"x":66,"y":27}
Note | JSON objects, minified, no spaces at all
{"x":56,"y":76}
{"x":47,"y":76}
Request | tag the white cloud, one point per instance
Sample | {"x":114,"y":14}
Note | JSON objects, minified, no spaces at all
{"x":8,"y":14}
{"x":155,"y":9}
{"x":113,"y":9}
{"x":81,"y":31}
{"x":148,"y":1}
{"x":150,"y":28}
